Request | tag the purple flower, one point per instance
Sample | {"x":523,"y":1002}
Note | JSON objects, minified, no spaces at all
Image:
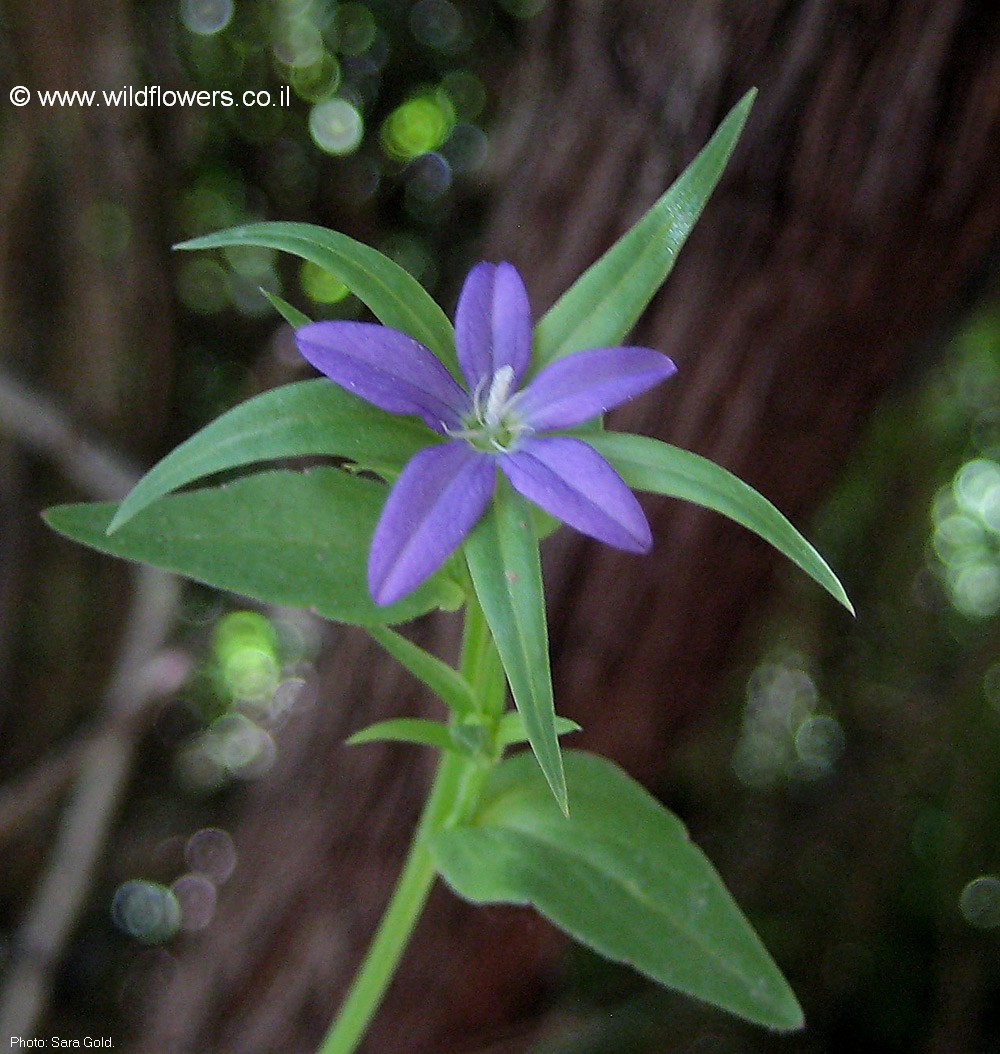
{"x":444,"y":489}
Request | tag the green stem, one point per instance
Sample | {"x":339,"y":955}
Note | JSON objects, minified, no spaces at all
{"x":454,"y":795}
{"x":480,"y":664}
{"x":404,"y":910}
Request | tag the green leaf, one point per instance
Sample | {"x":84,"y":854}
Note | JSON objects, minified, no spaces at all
{"x":619,"y":875}
{"x":394,"y":296}
{"x":444,"y":681}
{"x":292,"y":315}
{"x":648,"y":464}
{"x":292,"y":538}
{"x":606,"y":301}
{"x":502,"y":552}
{"x":415,"y":730}
{"x":310,"y":417}
{"x":512,"y":730}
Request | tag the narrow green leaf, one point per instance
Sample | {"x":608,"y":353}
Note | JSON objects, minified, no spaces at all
{"x":619,"y":875}
{"x":394,"y":296}
{"x":512,"y":730}
{"x":292,"y":315}
{"x":606,"y":301}
{"x":648,"y":464}
{"x":307,"y":418}
{"x":295,"y":538}
{"x":502,"y":552}
{"x":444,"y":681}
{"x":416,"y":730}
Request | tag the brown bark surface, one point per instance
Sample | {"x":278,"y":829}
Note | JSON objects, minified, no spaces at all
{"x":84,"y":314}
{"x":861,"y":198}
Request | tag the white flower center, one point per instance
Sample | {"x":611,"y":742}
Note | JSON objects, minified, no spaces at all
{"x":496,"y":398}
{"x":493,"y":424}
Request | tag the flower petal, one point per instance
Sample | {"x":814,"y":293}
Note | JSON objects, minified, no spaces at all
{"x":439,"y":497}
{"x":571,"y":390}
{"x":386,"y":368}
{"x":570,"y":480}
{"x":492,"y":323}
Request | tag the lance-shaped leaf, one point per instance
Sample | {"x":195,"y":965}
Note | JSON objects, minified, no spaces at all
{"x":502,"y":552}
{"x":306,"y":418}
{"x":648,"y":464}
{"x":605,"y":302}
{"x":291,"y":314}
{"x":512,"y":731}
{"x":416,"y":730}
{"x":394,"y":296}
{"x":619,"y":875}
{"x":443,"y":680}
{"x":469,"y":738}
{"x":294,"y":538}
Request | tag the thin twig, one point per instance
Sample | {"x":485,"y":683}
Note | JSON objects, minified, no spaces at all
{"x":37,"y":423}
{"x":142,"y":675}
{"x":24,"y":799}
{"x":27,"y":797}
{"x":143,"y":672}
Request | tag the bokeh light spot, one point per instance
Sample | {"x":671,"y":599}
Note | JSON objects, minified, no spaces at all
{"x":251,"y":261}
{"x":976,"y":590}
{"x":966,"y":538}
{"x":336,"y":126}
{"x":467,"y":93}
{"x":980,"y":902}
{"x":297,"y":42}
{"x":356,"y":29}
{"x":317,"y":81}
{"x":211,"y":852}
{"x":428,"y":177}
{"x":206,"y":17}
{"x":320,"y":285}
{"x":240,"y":629}
{"x":819,"y":742}
{"x":418,"y":126}
{"x":783,"y":735}
{"x":244,"y":292}
{"x":147,"y":911}
{"x":438,"y":24}
{"x":239,"y":746}
{"x":195,"y":895}
{"x":466,"y":148}
{"x":202,"y":286}
{"x":292,"y":693}
{"x":214,"y":201}
{"x":413,"y":255}
{"x":977,"y":487}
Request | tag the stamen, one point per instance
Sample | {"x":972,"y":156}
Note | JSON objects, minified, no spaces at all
{"x":477,"y":399}
{"x":491,"y":424}
{"x":497,"y":398}
{"x":461,"y":433}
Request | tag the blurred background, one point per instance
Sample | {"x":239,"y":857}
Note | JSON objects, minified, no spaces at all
{"x":191,"y":860}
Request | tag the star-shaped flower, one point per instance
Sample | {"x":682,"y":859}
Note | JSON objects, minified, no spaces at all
{"x":444,"y":489}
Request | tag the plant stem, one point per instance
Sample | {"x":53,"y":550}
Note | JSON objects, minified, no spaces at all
{"x":401,"y":916}
{"x":454,"y":795}
{"x":480,"y":663}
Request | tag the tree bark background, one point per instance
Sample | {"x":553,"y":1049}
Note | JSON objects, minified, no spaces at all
{"x":861,"y":200}
{"x":85,"y":312}
{"x":854,"y":208}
